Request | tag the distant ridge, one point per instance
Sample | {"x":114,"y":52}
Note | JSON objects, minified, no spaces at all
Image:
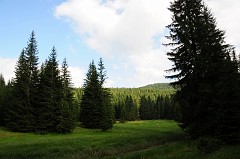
{"x":159,"y":86}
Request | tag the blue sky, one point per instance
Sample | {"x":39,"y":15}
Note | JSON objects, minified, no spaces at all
{"x":127,"y":34}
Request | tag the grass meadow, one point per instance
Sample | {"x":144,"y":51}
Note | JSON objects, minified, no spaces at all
{"x":160,"y":139}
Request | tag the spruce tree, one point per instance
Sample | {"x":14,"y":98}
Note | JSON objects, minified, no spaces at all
{"x":25,"y":89}
{"x":143,"y":108}
{"x":20,"y":116}
{"x":90,"y":110}
{"x":67,"y":122}
{"x":33,"y":75}
{"x":96,"y":111}
{"x":50,"y":92}
{"x":107,"y":109}
{"x":201,"y":60}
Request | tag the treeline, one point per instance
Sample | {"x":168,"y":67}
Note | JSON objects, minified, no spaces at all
{"x":38,"y":100}
{"x":145,"y":103}
{"x":148,"y":109}
{"x":41,"y":99}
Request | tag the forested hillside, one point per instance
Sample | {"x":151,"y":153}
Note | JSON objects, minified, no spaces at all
{"x":159,"y":86}
{"x":130,"y":103}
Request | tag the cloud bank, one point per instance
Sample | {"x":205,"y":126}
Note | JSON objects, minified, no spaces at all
{"x":125,"y":31}
{"x":227,"y":13}
{"x":77,"y":75}
{"x":131,"y":33}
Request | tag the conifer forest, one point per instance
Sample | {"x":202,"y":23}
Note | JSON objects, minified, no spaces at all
{"x":203,"y":98}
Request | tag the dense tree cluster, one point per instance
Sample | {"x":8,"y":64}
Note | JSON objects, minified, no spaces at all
{"x":162,"y":108}
{"x":143,"y":103}
{"x":126,"y":110}
{"x":127,"y":105}
{"x":206,"y":72}
{"x":42,"y":99}
{"x":95,"y":107}
{"x":38,"y":100}
{"x":144,"y":109}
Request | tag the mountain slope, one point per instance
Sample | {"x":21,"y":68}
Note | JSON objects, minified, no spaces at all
{"x":158,"y":86}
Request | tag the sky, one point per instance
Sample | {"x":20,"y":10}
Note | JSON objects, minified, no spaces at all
{"x":127,"y":34}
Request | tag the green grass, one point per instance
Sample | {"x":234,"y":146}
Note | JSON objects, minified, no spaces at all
{"x":139,"y":139}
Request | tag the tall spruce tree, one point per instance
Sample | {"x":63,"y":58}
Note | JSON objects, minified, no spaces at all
{"x":91,"y":111}
{"x":201,"y":60}
{"x":20,"y":116}
{"x":25,"y":89}
{"x":96,"y":110}
{"x":33,"y":74}
{"x":50,"y":93}
{"x":107,"y":112}
{"x":67,"y":112}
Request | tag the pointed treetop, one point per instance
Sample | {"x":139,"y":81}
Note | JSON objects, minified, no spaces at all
{"x":102,"y":72}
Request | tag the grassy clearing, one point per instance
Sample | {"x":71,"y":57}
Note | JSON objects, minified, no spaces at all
{"x":140,"y":139}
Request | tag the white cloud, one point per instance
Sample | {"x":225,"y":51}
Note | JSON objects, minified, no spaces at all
{"x":77,"y":74}
{"x":123,"y":30}
{"x":227,"y":13}
{"x":130,"y":33}
{"x":7,"y":67}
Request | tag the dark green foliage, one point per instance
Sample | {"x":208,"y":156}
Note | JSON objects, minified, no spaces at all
{"x":131,"y":110}
{"x":120,"y":95}
{"x":162,"y":108}
{"x":2,"y":90}
{"x":50,"y":95}
{"x":55,"y":112}
{"x":25,"y":90}
{"x":19,"y":116}
{"x":106,"y":96}
{"x":107,"y":112}
{"x":38,"y":100}
{"x":205,"y":72}
{"x":33,"y":76}
{"x":7,"y":105}
{"x":152,"y":107}
{"x":68,"y":108}
{"x":143,"y":109}
{"x":95,"y":110}
{"x":158,"y":86}
{"x":90,"y":113}
{"x":146,"y":110}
